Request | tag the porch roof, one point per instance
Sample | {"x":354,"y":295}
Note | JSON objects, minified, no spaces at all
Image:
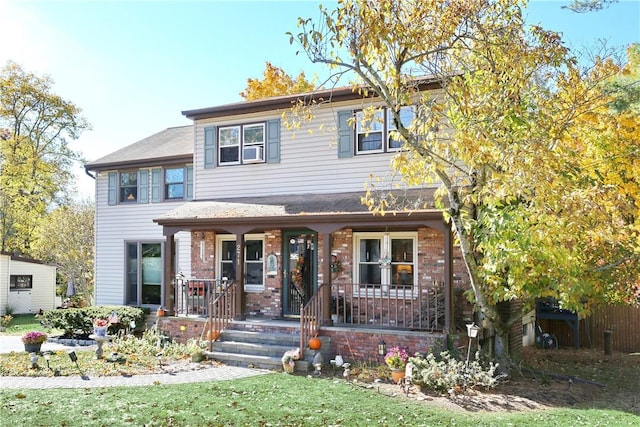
{"x":322,"y":212}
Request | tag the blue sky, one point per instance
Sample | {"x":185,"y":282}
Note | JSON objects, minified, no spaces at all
{"x":133,"y":66}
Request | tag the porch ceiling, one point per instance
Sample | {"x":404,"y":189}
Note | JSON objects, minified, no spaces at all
{"x":322,"y":212}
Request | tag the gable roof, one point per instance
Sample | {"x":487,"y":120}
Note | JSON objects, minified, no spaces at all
{"x":172,"y":145}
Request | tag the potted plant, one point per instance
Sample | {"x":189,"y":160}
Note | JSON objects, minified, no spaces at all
{"x":396,"y":359}
{"x":100,"y":327}
{"x":33,"y":341}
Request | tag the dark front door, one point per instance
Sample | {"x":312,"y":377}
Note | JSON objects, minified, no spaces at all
{"x":299,"y":280}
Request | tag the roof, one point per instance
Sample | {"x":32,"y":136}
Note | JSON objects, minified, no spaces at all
{"x":298,"y":210}
{"x":337,"y":94}
{"x":172,"y":145}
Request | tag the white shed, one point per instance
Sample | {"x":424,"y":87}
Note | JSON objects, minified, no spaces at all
{"x":26,"y":285}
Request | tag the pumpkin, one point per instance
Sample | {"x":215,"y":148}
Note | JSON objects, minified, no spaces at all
{"x":213,"y":335}
{"x":315,"y":343}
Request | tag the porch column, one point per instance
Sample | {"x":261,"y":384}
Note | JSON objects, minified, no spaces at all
{"x":240,"y":296}
{"x":169,"y":273}
{"x":326,"y":274}
{"x":448,"y":280}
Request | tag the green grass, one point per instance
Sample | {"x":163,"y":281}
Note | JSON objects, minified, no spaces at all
{"x":22,"y":323}
{"x":266,"y":400}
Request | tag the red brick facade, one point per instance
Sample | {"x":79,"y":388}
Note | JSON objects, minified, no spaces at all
{"x":268,"y":302}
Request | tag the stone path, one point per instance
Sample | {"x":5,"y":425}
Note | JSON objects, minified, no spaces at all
{"x":215,"y":373}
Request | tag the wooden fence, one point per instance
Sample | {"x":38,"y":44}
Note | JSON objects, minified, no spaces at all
{"x":623,"y":321}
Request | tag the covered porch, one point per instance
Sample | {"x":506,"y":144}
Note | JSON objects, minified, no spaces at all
{"x":326,"y":298}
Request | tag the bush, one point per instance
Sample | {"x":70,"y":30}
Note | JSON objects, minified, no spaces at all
{"x":79,"y":321}
{"x":443,"y":373}
{"x":153,"y":342}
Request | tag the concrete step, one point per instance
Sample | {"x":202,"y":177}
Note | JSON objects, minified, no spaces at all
{"x":257,"y":337}
{"x":243,"y":347}
{"x":255,"y":361}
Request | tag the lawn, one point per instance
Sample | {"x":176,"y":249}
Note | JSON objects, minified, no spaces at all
{"x":22,"y":323}
{"x":266,"y":400}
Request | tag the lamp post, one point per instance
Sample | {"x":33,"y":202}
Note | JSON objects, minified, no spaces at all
{"x":382,"y":348}
{"x":472,"y":332}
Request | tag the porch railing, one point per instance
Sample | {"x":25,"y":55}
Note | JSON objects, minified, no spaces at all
{"x":310,"y":317}
{"x":420,"y":307}
{"x":202,"y":297}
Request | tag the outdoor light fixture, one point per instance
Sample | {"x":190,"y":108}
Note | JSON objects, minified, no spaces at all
{"x":33,"y":357}
{"x":472,"y":332}
{"x":382,"y":348}
{"x":74,"y":358}
{"x":47,"y":356}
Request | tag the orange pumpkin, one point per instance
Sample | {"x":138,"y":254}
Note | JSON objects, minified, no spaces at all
{"x":213,"y":335}
{"x":315,"y":343}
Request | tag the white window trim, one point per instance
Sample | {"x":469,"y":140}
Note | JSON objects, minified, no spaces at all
{"x":241,"y":144}
{"x":385,"y":288}
{"x":232,"y":237}
{"x":387,"y":129}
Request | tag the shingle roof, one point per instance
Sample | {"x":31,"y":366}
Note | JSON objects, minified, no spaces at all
{"x":175,"y":143}
{"x":291,"y":205}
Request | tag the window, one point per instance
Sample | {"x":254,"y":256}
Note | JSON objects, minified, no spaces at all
{"x":247,"y":139}
{"x":155,"y":185}
{"x":128,"y":186}
{"x":144,"y":270}
{"x":253,"y":260}
{"x":371,"y":131}
{"x":385,"y":260}
{"x":19,"y":282}
{"x":174,"y":183}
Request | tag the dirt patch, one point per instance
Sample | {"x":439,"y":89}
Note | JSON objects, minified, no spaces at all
{"x":543,"y":379}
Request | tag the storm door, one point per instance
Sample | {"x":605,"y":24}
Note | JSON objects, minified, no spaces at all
{"x":300,"y":273}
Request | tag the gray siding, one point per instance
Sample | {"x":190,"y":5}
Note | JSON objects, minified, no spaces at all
{"x":309,"y":163}
{"x":118,"y":224}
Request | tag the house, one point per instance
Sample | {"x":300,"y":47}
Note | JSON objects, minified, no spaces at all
{"x":267,"y":222}
{"x":26,"y":285}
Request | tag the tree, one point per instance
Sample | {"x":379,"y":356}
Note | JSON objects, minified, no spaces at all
{"x":582,"y":6}
{"x":510,"y":137}
{"x":35,"y":159}
{"x":275,"y":82}
{"x":66,"y":238}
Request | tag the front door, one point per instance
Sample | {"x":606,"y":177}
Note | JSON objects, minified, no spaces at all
{"x":300,"y":273}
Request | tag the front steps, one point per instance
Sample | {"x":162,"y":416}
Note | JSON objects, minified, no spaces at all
{"x":259,"y":344}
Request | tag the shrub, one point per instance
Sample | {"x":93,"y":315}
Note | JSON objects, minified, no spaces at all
{"x":151,"y":343}
{"x":79,"y":321}
{"x":443,"y":373}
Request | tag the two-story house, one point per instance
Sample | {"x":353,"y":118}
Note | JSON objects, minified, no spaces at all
{"x":239,"y":218}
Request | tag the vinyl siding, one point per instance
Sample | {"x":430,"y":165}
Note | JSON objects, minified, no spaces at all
{"x":4,"y":282}
{"x":118,"y":224}
{"x":43,"y":292}
{"x":309,"y":162}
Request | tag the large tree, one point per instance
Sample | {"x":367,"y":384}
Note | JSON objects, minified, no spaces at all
{"x":518,"y":137}
{"x":275,"y":82}
{"x":65,"y":238}
{"x":35,"y":158}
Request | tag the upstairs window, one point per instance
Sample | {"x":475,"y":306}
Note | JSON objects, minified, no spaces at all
{"x":376,"y":133}
{"x":241,"y":144}
{"x":128,"y":187}
{"x":174,"y":183}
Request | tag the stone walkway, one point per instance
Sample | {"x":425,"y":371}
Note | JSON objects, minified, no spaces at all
{"x":215,"y":373}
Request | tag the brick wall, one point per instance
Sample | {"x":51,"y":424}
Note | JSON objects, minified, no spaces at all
{"x":268,"y":303}
{"x":362,"y":344}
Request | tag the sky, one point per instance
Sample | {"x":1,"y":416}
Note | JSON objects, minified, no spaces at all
{"x":134,"y":66}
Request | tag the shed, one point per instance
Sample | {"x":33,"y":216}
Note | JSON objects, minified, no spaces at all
{"x":26,"y":285}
